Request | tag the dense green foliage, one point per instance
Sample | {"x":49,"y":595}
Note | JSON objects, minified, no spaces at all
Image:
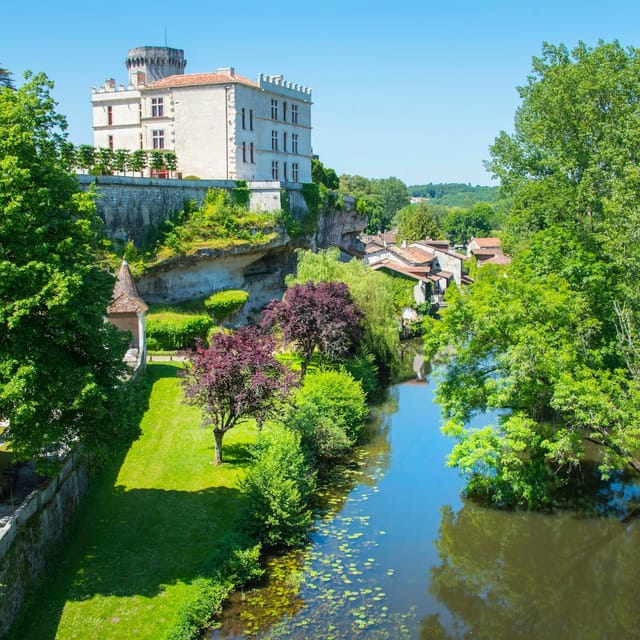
{"x":171,"y":330}
{"x":371,"y":293}
{"x":417,"y":222}
{"x":224,"y":303}
{"x":278,"y":488}
{"x":461,"y":225}
{"x":59,"y":360}
{"x":324,"y":175}
{"x":219,"y":223}
{"x":452,"y":194}
{"x":552,"y":341}
{"x":379,"y":199}
{"x":328,"y":411}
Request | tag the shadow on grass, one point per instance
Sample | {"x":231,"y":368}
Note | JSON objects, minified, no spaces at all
{"x":236,"y":453}
{"x":134,"y":542}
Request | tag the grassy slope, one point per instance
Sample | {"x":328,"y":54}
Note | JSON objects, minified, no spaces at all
{"x":146,"y":529}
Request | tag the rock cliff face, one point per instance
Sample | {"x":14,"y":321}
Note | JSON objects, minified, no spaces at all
{"x":260,"y":270}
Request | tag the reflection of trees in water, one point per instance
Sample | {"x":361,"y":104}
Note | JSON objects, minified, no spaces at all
{"x":526,"y":575}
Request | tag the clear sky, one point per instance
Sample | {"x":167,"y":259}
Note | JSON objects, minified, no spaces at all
{"x":416,"y":90}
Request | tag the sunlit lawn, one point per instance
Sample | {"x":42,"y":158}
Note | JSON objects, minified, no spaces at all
{"x":146,"y":529}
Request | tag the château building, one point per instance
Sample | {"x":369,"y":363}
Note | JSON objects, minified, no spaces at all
{"x":220,"y":125}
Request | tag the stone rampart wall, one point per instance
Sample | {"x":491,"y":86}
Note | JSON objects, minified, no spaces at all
{"x":31,"y":534}
{"x":135,"y":208}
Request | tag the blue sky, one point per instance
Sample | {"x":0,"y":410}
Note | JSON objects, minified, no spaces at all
{"x":416,"y":90}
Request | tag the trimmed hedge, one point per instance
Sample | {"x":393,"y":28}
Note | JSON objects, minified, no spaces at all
{"x":224,"y":303}
{"x":174,"y":331}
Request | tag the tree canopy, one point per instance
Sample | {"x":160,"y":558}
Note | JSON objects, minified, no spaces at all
{"x":59,"y":360}
{"x":552,"y":341}
{"x":236,"y":377}
{"x":417,"y":222}
{"x":318,"y":316}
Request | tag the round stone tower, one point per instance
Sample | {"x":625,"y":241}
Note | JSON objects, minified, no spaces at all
{"x":154,"y":63}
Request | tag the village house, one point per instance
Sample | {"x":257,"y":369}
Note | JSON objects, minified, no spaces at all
{"x":220,"y":125}
{"x":430,"y":263}
{"x":487,"y":251}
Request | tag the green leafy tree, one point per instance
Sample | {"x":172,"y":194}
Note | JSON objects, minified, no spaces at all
{"x":170,"y":161}
{"x":324,"y":175}
{"x":59,"y":361}
{"x":104,"y":161}
{"x":461,"y":225}
{"x":417,"y":222}
{"x":86,"y":157}
{"x":6,"y":80}
{"x":372,"y":294}
{"x":157,"y":160}
{"x":278,"y":489}
{"x":138,"y":161}
{"x":121,"y":159}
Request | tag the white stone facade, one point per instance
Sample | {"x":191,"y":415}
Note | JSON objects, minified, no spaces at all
{"x":220,"y":125}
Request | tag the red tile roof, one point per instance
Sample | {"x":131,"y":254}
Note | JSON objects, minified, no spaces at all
{"x":486,"y":242}
{"x":198,"y":79}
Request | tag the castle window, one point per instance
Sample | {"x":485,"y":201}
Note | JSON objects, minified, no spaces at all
{"x":157,"y":137}
{"x":274,"y":140}
{"x":109,"y":115}
{"x":244,"y":152}
{"x":274,"y":109}
{"x":244,"y":118}
{"x":294,"y":113}
{"x":284,"y":111}
{"x":110,"y":142}
{"x":284,"y":141}
{"x":251,"y":160}
{"x":157,"y":108}
{"x":295,"y":172}
{"x":284,"y":171}
{"x":251,"y":119}
{"x":294,"y":143}
{"x":140,"y":141}
{"x":274,"y":169}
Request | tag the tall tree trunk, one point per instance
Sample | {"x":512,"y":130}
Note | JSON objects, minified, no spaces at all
{"x":218,"y":438}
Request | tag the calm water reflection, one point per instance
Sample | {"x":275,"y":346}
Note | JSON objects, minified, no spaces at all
{"x":398,"y":554}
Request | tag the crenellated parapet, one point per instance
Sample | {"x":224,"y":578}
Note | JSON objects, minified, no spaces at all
{"x":281,"y":86}
{"x":155,"y":63}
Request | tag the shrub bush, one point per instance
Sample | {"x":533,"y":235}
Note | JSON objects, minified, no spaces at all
{"x":173,"y":331}
{"x":224,"y":303}
{"x":338,"y":396}
{"x":278,"y":487}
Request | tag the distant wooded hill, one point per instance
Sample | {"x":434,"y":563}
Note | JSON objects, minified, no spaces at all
{"x":455,"y":194}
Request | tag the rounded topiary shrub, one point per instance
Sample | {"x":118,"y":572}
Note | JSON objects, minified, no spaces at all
{"x":225,"y":303}
{"x":171,"y":331}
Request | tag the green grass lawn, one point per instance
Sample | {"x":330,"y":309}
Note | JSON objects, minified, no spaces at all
{"x":151,"y":524}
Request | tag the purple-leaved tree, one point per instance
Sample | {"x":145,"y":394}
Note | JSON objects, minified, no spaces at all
{"x":321,"y":316}
{"x":236,"y":377}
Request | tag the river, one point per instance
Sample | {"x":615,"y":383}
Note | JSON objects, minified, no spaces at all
{"x":399,"y":554}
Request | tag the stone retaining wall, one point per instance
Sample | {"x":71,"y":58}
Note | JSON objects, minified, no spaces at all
{"x":32,"y":533}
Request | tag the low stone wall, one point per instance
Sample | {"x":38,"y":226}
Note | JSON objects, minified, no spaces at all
{"x":32,"y":533}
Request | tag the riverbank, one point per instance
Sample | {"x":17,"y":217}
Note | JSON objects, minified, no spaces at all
{"x":149,"y":527}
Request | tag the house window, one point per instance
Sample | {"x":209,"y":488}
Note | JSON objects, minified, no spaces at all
{"x":111,"y":142}
{"x":284,"y":171}
{"x":284,"y":140}
{"x":109,"y":115}
{"x":284,"y":111}
{"x":295,"y":172}
{"x":294,"y":113}
{"x":244,"y":152}
{"x":274,"y":170}
{"x":294,"y":143}
{"x":251,"y":119}
{"x":274,"y":140}
{"x":251,"y":160}
{"x":244,"y":118}
{"x":274,"y":109}
{"x":157,"y":109}
{"x":157,"y":137}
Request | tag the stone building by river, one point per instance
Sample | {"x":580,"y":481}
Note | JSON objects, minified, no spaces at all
{"x":220,"y":125}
